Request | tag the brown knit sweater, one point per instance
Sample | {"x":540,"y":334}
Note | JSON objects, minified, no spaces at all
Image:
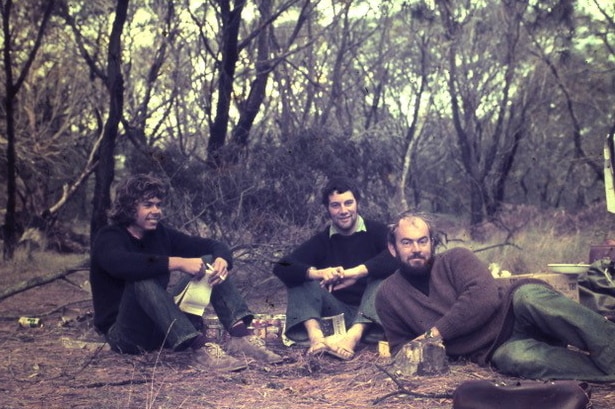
{"x":463,"y":303}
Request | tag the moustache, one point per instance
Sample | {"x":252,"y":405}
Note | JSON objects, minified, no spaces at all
{"x":417,"y":255}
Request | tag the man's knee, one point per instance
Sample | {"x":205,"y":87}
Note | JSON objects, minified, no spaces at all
{"x":531,"y":291}
{"x":531,"y":295}
{"x":307,"y":292}
{"x":148,"y":288}
{"x":514,"y":356}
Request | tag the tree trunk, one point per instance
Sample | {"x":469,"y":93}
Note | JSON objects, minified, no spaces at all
{"x":10,"y":228}
{"x":115,"y":84}
{"x":230,"y":53}
{"x":259,"y":85}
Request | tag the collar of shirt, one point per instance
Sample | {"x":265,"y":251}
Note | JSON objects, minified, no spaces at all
{"x":360,"y":227}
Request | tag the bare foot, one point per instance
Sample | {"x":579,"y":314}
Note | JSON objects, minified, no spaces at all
{"x":341,"y":346}
{"x":317,"y":346}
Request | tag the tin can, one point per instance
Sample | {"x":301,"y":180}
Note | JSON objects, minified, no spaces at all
{"x":268,"y":327}
{"x":259,"y":326}
{"x":383,"y":349}
{"x":214,"y":331}
{"x":29,"y":322}
{"x":272,"y":334}
{"x":276,"y":328}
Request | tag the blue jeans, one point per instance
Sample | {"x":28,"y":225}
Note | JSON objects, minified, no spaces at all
{"x":310,"y":301}
{"x":149,"y":319}
{"x":546,"y":322}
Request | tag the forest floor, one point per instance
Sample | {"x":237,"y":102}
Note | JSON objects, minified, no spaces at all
{"x":64,"y":364}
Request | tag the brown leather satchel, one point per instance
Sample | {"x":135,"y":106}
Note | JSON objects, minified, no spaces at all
{"x":480,"y":394}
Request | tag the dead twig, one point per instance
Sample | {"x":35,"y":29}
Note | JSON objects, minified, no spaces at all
{"x":118,"y":383}
{"x":87,"y":362}
{"x":403,"y":391}
{"x":47,"y":313}
{"x":36,"y":281}
{"x":498,"y":245}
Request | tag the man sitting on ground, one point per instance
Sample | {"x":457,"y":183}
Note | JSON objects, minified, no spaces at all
{"x":336,"y":271}
{"x":130,"y":270}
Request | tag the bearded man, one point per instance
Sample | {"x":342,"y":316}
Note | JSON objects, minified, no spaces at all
{"x":525,"y":332}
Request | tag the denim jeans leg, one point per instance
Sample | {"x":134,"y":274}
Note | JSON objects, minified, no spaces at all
{"x":537,"y":307}
{"x":148,"y":319}
{"x":534,"y":359}
{"x":367,"y":309}
{"x":310,"y":301}
{"x":176,"y":289}
{"x":229,"y":305}
{"x":367,"y":313}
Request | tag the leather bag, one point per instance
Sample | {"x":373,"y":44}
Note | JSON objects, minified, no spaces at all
{"x":481,"y":394}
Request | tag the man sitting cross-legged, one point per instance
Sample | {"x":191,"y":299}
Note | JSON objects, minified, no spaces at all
{"x":336,"y":271}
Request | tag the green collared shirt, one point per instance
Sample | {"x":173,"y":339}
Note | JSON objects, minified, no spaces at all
{"x":360,"y":226}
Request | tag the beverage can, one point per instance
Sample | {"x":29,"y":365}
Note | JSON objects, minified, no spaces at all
{"x":29,"y":322}
{"x":383,"y":349}
{"x":214,"y":331}
{"x":259,"y":326}
{"x":268,"y":327}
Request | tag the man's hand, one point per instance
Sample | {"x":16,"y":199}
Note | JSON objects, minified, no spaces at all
{"x":218,"y":271}
{"x":336,"y":278}
{"x":431,"y":334}
{"x":192,"y":266}
{"x":328,"y":276}
{"x":343,"y":283}
{"x":349,"y":277}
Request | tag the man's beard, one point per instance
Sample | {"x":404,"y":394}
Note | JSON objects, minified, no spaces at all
{"x":416,"y":272}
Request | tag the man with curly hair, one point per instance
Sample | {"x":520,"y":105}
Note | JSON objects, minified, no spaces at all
{"x":131,"y":266}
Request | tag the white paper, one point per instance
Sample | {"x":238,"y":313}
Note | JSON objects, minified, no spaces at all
{"x":195,"y":296}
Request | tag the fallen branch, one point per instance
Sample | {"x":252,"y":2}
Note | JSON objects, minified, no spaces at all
{"x":498,"y":245}
{"x":117,"y":383}
{"x":36,"y":281}
{"x":403,"y":391}
{"x":46,"y":313}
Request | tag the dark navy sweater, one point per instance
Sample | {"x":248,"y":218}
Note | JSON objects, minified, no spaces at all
{"x":118,"y":257}
{"x":364,"y":247}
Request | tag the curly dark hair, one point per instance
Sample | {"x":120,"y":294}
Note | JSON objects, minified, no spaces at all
{"x":130,"y":192}
{"x":339,"y":185}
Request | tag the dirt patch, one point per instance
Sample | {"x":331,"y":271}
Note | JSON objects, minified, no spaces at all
{"x":62,"y":364}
